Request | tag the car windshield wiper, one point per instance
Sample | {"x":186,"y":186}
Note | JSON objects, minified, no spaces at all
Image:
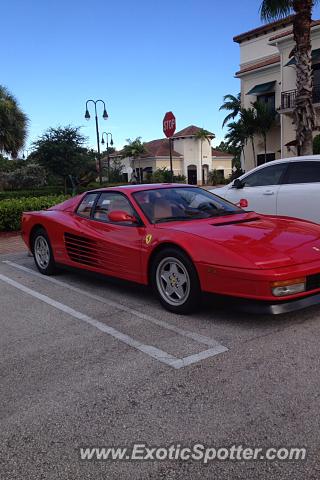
{"x":172,"y":219}
{"x":222,"y":213}
{"x":196,"y":215}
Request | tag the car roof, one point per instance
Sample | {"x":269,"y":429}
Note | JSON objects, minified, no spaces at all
{"x":305,"y":158}
{"x":142,"y":187}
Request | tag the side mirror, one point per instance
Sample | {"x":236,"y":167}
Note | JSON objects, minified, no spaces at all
{"x":243,"y":203}
{"x":238,"y":183}
{"x":121,"y":216}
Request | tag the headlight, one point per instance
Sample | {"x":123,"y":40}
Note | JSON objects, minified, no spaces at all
{"x":288,"y":287}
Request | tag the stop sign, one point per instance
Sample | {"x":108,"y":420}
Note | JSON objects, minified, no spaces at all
{"x":169,"y":124}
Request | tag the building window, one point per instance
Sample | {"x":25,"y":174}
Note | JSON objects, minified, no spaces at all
{"x":262,"y":158}
{"x":269,"y":99}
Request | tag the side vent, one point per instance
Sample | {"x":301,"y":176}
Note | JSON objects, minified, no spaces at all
{"x":81,"y":249}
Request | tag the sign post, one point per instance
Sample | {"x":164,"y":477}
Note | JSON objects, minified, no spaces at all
{"x":169,"y":127}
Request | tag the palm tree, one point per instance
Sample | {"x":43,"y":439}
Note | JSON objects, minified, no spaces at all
{"x":233,"y":105}
{"x":203,"y":135}
{"x":249,"y":125}
{"x":13,"y":124}
{"x":236,"y":136}
{"x":304,"y":115}
{"x":265,"y":120}
{"x":134,"y":149}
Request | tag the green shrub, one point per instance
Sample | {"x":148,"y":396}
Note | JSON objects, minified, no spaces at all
{"x":34,"y":192}
{"x":11,"y":210}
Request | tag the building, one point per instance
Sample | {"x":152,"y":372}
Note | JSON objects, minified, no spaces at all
{"x":268,"y":74}
{"x":192,"y":157}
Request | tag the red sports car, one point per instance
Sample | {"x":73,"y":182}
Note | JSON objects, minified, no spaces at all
{"x":183,"y":241}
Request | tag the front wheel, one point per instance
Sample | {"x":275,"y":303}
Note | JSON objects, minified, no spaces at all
{"x":175,"y":281}
{"x":42,"y":252}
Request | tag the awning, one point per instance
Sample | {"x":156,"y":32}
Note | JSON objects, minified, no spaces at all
{"x":293,"y":143}
{"x":315,"y":56}
{"x":262,"y":88}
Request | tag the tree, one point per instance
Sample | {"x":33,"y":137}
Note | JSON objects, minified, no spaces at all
{"x":116,"y":171}
{"x":203,"y":135}
{"x":223,"y":147}
{"x":133,"y":150}
{"x":316,"y":145}
{"x":13,"y":124}
{"x":265,"y":120}
{"x":61,"y":151}
{"x":236,"y":139}
{"x":233,"y":105}
{"x":304,"y":114}
{"x":249,"y":127}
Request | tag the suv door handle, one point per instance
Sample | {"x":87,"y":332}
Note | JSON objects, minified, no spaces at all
{"x":268,"y":192}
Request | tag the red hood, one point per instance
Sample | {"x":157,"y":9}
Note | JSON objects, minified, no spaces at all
{"x":264,"y":241}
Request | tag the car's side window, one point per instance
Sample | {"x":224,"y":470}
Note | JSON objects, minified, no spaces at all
{"x":85,"y":207}
{"x":109,"y":202}
{"x":303,"y":172}
{"x":266,"y":176}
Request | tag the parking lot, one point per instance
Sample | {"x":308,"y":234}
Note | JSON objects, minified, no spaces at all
{"x":89,"y":362}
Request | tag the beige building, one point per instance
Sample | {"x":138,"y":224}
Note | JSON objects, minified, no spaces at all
{"x":191,"y":157}
{"x":268,"y":74}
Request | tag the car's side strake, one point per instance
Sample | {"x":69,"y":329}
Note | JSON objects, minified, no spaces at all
{"x":81,"y":249}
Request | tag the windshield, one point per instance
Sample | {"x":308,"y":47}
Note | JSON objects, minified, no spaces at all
{"x":182,"y":203}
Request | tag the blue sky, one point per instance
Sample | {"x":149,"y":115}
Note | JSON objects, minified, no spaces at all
{"x":143,"y":58}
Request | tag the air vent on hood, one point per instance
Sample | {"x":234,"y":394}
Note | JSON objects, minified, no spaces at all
{"x":81,"y":249}
{"x":235,"y":222}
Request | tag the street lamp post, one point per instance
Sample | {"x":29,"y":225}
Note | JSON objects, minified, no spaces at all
{"x":105,"y":116}
{"x":108,"y":155}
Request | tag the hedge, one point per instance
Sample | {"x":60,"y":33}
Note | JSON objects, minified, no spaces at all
{"x":11,"y":210}
{"x":34,"y":192}
{"x":51,"y":190}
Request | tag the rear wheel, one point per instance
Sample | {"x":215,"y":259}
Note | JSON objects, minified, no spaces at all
{"x":42,"y":252}
{"x":175,"y":281}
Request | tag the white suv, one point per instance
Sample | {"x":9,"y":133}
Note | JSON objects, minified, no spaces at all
{"x":283,"y":187}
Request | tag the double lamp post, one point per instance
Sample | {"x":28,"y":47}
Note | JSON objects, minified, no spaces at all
{"x":105,"y":117}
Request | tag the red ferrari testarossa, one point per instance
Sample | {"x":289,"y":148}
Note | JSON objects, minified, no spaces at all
{"x":183,"y":241}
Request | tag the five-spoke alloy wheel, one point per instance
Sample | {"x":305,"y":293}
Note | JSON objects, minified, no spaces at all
{"x":42,"y":252}
{"x":175,"y":280}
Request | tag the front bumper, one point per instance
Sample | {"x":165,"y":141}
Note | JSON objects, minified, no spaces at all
{"x":256,"y":307}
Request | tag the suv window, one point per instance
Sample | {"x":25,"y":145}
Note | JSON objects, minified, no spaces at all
{"x":108,"y":202}
{"x":266,"y":176}
{"x":84,"y":209}
{"x":303,"y":172}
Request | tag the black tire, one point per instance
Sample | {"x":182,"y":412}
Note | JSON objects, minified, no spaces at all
{"x":47,"y":267}
{"x":163,"y":264}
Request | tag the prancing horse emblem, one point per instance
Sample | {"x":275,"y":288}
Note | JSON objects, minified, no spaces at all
{"x":148,"y":238}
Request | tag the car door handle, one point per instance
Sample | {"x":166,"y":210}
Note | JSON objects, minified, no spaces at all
{"x":268,"y":192}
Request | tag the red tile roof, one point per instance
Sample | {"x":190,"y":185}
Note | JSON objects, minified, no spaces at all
{"x":155,"y":148}
{"x":264,"y":63}
{"x":190,"y":131}
{"x":159,"y":148}
{"x":264,"y":29}
{"x":219,"y":153}
{"x":289,"y":32}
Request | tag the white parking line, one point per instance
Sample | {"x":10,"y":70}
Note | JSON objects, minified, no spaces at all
{"x":184,"y":333}
{"x":153,"y":352}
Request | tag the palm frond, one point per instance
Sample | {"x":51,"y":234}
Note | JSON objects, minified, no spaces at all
{"x":13,"y":124}
{"x":275,"y":9}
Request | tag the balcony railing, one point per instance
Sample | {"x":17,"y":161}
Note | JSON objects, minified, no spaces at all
{"x":288,"y":99}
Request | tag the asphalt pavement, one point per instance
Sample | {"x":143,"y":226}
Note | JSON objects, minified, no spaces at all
{"x":87,"y":362}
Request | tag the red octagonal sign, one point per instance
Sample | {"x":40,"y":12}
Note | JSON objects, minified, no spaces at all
{"x":169,"y":124}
